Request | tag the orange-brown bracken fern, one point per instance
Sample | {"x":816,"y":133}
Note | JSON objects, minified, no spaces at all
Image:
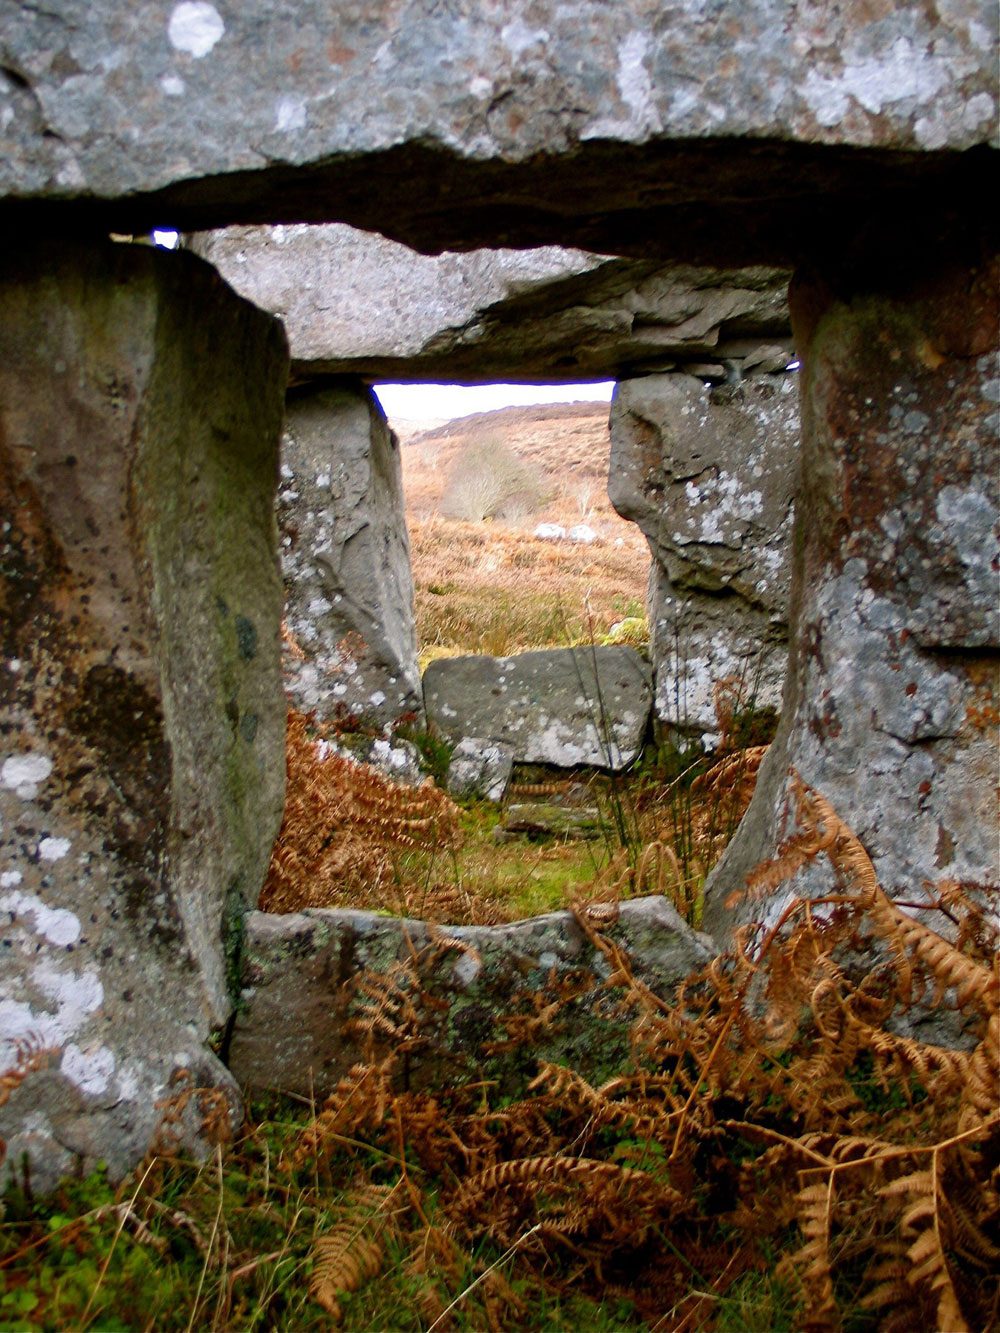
{"x":343,"y":822}
{"x":771,"y":1100}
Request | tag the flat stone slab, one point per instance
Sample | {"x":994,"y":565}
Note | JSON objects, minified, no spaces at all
{"x":471,"y":123}
{"x":294,"y":1030}
{"x":563,"y":706}
{"x":557,"y":821}
{"x":355,"y":303}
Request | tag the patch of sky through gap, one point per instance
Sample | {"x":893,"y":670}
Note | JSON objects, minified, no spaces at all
{"x":423,"y":402}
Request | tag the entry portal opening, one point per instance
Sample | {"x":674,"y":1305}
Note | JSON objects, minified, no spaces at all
{"x":516,"y":553}
{"x":514,"y":543}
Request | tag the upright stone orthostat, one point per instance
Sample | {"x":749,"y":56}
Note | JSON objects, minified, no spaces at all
{"x":141,"y":713}
{"x":892,"y":701}
{"x":346,"y":559}
{"x":709,"y":475}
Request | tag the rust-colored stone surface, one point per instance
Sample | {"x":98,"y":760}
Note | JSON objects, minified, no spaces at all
{"x":141,"y":714}
{"x":891,"y":708}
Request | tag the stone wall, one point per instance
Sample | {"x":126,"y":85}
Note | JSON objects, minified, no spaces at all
{"x":141,"y":402}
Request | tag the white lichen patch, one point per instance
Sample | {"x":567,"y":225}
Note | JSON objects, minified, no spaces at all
{"x":89,"y":1067}
{"x":24,"y":774}
{"x":717,"y":504}
{"x":55,"y":924}
{"x":876,"y":82}
{"x":75,"y":994}
{"x":518,"y":37}
{"x":635,"y":83}
{"x":194,"y":27}
{"x":290,"y":113}
{"x":53,"y":849}
{"x":69,"y":1000}
{"x":467,"y":969}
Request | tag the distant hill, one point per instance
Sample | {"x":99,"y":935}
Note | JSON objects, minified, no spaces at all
{"x":567,"y":442}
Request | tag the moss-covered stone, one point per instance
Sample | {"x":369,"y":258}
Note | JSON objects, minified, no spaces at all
{"x":471,"y":992}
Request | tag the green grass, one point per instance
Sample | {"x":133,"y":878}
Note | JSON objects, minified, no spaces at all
{"x":225,"y":1246}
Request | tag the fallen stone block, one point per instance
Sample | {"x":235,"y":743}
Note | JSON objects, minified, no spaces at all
{"x":301,"y":1024}
{"x":564,"y":706}
{"x":555,"y":821}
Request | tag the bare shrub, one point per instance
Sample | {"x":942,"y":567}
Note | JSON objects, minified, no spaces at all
{"x":489,"y":480}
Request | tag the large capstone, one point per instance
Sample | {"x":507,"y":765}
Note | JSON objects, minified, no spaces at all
{"x":350,"y":651}
{"x":708,"y":474}
{"x":562,"y":706}
{"x":692,"y":131}
{"x":142,"y":723}
{"x":891,"y":707}
{"x":356,"y":303}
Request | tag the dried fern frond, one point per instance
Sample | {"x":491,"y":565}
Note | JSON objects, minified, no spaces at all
{"x":30,"y":1054}
{"x":360,"y":1100}
{"x":352,"y":1251}
{"x":342,"y":821}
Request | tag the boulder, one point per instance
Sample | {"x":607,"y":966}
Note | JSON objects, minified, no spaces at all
{"x":563,"y":706}
{"x":351,"y":649}
{"x":143,"y":725}
{"x":452,"y":126}
{"x":709,"y":474}
{"x":480,"y":767}
{"x":356,"y":303}
{"x":300,"y":992}
{"x":891,"y":703}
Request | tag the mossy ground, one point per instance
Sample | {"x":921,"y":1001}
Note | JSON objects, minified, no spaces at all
{"x":226,"y":1245}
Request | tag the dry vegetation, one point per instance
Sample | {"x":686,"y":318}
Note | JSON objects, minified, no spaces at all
{"x":772,"y":1154}
{"x":492,"y":587}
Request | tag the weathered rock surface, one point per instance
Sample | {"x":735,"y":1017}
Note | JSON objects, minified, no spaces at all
{"x":688,"y":131}
{"x":299,"y":993}
{"x":346,"y":559}
{"x":355,"y":303}
{"x":709,"y":476}
{"x":142,"y":723}
{"x":480,"y":767}
{"x":892,"y":703}
{"x":563,"y":706}
{"x":553,"y":820}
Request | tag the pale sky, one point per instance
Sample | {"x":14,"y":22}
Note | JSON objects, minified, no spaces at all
{"x":420,"y":402}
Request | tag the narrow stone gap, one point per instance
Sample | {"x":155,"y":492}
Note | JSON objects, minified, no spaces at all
{"x":702,"y":440}
{"x":526,"y":580}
